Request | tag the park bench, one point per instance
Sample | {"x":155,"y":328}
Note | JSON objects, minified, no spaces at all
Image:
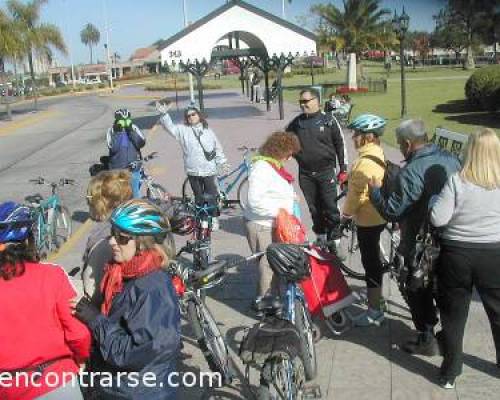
{"x":454,"y":142}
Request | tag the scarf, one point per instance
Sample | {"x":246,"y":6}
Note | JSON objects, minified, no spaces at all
{"x":115,"y":273}
{"x":277,"y":166}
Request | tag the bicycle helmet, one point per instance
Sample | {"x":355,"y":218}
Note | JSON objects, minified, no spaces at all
{"x":182,"y":224}
{"x":368,"y":123}
{"x":123,"y":118}
{"x":288,"y":260}
{"x":140,"y":218}
{"x":15,"y":222}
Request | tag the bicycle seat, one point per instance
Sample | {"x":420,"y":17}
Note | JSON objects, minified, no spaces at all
{"x":268,"y":305}
{"x":34,"y":199}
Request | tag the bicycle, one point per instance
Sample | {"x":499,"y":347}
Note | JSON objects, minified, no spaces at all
{"x":53,"y":223}
{"x":154,"y":191}
{"x":226,"y":185}
{"x":282,"y":372}
{"x":188,"y":283}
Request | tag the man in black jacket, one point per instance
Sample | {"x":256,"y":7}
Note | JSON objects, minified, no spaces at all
{"x":323,"y":146}
{"x":424,"y":175}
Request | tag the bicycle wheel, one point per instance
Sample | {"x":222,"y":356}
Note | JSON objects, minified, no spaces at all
{"x":282,"y":378}
{"x":350,"y":256}
{"x":61,"y":226}
{"x":156,"y":193}
{"x":210,"y":339}
{"x":337,"y":323}
{"x":243,"y":193}
{"x":40,"y":234}
{"x":187,"y":191}
{"x":304,"y":325}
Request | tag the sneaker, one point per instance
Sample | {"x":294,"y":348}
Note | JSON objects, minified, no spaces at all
{"x":215,"y":224}
{"x":369,"y":318}
{"x":447,"y":383}
{"x":426,"y":345}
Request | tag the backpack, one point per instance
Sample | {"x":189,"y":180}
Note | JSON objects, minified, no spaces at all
{"x":391,"y":173}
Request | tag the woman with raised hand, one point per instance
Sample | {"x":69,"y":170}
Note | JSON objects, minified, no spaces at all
{"x":41,"y":342}
{"x":203,"y":156}
{"x":468,"y":210}
{"x":137,"y":328}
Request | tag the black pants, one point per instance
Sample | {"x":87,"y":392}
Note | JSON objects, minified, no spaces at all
{"x":460,"y":269}
{"x":320,"y":192}
{"x":369,"y":240}
{"x":204,"y":185}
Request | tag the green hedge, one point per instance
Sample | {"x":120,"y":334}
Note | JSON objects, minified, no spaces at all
{"x":483,"y":88}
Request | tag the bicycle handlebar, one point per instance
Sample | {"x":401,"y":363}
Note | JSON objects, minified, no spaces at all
{"x":42,"y":181}
{"x":138,"y":163}
{"x":245,"y":148}
{"x":222,"y":265}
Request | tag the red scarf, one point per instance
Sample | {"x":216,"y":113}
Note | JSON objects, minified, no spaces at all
{"x":282,"y":172}
{"x":115,"y":273}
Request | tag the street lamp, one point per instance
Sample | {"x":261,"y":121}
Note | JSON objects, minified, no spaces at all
{"x":400,"y":25}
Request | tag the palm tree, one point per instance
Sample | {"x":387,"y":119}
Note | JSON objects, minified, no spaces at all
{"x":36,"y":37}
{"x":10,"y":47}
{"x":90,"y":36}
{"x":360,"y":24}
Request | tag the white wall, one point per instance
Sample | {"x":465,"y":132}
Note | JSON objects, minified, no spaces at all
{"x":200,"y":42}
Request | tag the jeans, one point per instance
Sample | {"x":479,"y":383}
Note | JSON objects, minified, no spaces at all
{"x":460,"y":269}
{"x":320,"y":192}
{"x":204,"y":185}
{"x":369,"y":247}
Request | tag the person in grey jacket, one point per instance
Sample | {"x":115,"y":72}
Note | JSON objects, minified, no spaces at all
{"x":424,"y":175}
{"x":204,"y":158}
{"x":468,"y":210}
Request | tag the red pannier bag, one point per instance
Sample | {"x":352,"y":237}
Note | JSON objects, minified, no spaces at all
{"x":326,"y":290}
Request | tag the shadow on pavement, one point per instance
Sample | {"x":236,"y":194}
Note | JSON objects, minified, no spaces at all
{"x":486,"y":367}
{"x":233,"y":112}
{"x":146,"y":122}
{"x":80,"y":216}
{"x":234,"y":225}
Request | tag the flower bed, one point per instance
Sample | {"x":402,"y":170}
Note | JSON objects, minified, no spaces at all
{"x":346,"y":89}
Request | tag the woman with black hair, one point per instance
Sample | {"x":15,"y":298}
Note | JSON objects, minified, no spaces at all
{"x":204,"y":158}
{"x":41,"y":343}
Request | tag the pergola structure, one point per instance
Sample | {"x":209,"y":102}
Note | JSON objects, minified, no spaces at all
{"x":245,"y":34}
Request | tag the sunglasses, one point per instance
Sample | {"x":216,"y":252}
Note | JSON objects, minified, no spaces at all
{"x":305,"y":101}
{"x":120,"y":238}
{"x":191,"y":114}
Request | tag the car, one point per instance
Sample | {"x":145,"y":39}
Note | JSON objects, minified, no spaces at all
{"x":60,"y":84}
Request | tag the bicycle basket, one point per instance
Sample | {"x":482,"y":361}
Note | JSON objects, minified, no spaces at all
{"x":271,"y":337}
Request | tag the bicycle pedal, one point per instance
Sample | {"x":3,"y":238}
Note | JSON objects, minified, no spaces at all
{"x":312,"y":392}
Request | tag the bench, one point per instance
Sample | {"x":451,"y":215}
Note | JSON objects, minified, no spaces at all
{"x":454,"y":142}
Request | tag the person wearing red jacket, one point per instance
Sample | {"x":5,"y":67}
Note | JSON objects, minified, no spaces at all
{"x":41,"y":343}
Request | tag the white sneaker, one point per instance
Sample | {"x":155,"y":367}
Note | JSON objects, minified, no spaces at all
{"x":215,"y":224}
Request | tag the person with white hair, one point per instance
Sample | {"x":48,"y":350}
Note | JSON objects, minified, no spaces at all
{"x":424,"y":175}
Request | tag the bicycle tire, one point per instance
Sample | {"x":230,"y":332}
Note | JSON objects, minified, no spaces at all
{"x":156,"y":192}
{"x":61,"y":226}
{"x":210,"y":339}
{"x":40,"y":235}
{"x":304,"y":325}
{"x":274,"y":384}
{"x":242,"y":194}
{"x":350,"y":256}
{"x":337,"y":323}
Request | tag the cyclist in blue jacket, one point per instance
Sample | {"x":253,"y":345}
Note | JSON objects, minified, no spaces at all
{"x":137,"y":330}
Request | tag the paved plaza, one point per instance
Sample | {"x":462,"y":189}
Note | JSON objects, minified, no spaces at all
{"x":362,"y":363}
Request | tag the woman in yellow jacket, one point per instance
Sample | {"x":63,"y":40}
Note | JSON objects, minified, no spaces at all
{"x":366,"y":132}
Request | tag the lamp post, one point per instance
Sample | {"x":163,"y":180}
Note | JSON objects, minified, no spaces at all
{"x":400,"y":25}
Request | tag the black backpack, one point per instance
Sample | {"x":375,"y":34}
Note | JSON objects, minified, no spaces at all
{"x":391,"y":173}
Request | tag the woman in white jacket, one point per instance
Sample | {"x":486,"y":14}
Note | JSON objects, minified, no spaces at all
{"x":270,"y":188}
{"x":202,"y":151}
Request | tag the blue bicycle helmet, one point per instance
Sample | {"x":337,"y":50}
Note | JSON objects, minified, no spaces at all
{"x":368,"y":123}
{"x":140,"y":218}
{"x":15,"y":222}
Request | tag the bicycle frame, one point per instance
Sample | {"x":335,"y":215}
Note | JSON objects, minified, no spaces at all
{"x":241,"y":169}
{"x":45,"y":225}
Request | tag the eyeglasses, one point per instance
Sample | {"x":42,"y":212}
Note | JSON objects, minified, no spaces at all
{"x":305,"y":101}
{"x":120,"y":238}
{"x":191,"y":114}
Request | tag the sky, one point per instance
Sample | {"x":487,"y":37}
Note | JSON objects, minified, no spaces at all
{"x":134,"y":24}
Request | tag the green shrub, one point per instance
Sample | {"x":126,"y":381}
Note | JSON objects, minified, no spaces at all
{"x":483,"y":88}
{"x":102,"y":85}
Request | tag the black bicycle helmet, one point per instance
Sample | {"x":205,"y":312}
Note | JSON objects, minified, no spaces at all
{"x":182,"y":224}
{"x":288,"y":261}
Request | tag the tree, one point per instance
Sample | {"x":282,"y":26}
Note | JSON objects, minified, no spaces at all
{"x":466,"y":20}
{"x":90,"y":36}
{"x":360,"y":24}
{"x":420,"y":43}
{"x":35,"y":37}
